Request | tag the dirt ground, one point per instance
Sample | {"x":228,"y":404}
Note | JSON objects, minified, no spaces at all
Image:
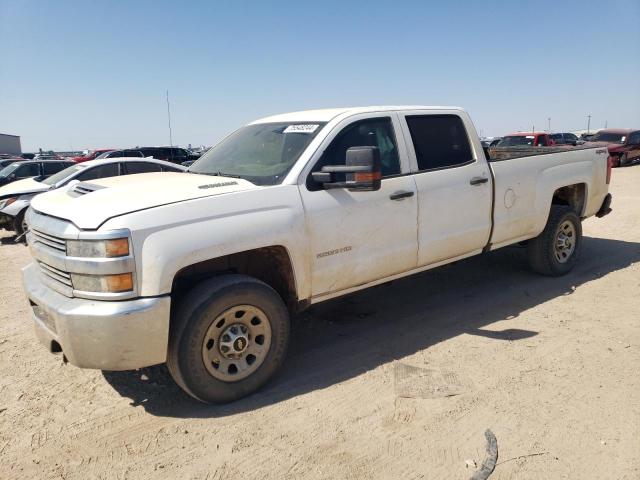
{"x":398,"y":382}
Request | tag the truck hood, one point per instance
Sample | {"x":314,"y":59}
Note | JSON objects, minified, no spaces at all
{"x":20,"y":187}
{"x":88,"y":205}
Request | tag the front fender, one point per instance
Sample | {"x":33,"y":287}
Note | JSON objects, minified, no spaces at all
{"x":169,"y":238}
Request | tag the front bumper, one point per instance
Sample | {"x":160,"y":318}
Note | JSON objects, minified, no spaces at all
{"x":107,"y":335}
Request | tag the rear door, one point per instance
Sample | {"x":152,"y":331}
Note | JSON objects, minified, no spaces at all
{"x":453,"y":182}
{"x":359,"y":237}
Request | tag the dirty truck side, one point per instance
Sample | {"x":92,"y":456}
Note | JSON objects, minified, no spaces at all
{"x":202,"y":270}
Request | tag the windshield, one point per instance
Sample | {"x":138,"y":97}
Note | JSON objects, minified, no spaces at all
{"x":516,"y":140}
{"x":262,"y":154}
{"x":609,"y":137}
{"x":8,"y":170}
{"x":62,"y":174}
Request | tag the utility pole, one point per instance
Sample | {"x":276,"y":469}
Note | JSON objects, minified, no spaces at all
{"x":169,"y":117}
{"x":588,"y":123}
{"x":549,"y":119}
{"x":606,"y":123}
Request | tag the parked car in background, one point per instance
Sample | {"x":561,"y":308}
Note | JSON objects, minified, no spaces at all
{"x":8,"y":161}
{"x":91,"y":155}
{"x":28,"y":156}
{"x":16,"y":197}
{"x":120,"y":154}
{"x":170,"y":154}
{"x":566,"y":139}
{"x":490,"y":142}
{"x":585,"y":134}
{"x":623,"y":145}
{"x":31,"y":168}
{"x":522,"y":139}
{"x":48,"y":156}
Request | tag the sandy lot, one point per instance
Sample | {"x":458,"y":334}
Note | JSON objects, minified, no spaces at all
{"x":397,"y":382}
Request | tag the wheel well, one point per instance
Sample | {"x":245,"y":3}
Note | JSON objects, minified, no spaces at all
{"x":571,"y":195}
{"x":271,"y":265}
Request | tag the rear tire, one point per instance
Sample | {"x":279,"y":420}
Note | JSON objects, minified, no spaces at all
{"x":206,"y":356}
{"x":556,"y":250}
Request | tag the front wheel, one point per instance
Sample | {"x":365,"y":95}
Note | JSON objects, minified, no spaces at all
{"x":556,"y":250}
{"x":229,"y":336}
{"x":19,"y":223}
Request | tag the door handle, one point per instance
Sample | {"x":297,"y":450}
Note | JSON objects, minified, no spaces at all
{"x":478,"y":180}
{"x":400,"y":195}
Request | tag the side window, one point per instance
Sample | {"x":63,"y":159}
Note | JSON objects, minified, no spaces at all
{"x":141,"y":167}
{"x":102,"y":171}
{"x":374,"y":132}
{"x":634,"y":138}
{"x":440,"y":141}
{"x":50,"y":168}
{"x":571,"y":137}
{"x":28,"y":170}
{"x":131,"y":153}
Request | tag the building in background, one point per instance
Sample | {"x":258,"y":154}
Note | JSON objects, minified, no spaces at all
{"x":10,"y":144}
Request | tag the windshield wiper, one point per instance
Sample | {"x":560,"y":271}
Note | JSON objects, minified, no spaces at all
{"x":217,"y":174}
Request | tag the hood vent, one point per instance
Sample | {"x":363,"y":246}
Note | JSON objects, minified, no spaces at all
{"x":80,"y":189}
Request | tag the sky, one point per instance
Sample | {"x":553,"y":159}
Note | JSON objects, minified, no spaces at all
{"x":93,"y":74}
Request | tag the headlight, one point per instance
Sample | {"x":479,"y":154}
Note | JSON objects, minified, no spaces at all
{"x":7,"y":201}
{"x":122,"y":282}
{"x":118,"y":247}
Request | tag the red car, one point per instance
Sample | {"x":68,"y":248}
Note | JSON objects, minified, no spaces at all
{"x":523,"y":139}
{"x":623,"y":145}
{"x":91,"y":155}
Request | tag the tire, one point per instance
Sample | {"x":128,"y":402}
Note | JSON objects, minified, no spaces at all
{"x":18,"y":223}
{"x":194,"y":325}
{"x":546,"y":256}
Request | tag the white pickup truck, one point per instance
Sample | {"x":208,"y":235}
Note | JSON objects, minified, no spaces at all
{"x":202,"y":270}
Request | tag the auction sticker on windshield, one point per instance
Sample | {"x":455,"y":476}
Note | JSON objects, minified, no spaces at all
{"x":308,"y":128}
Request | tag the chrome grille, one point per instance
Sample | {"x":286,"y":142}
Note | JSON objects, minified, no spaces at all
{"x":56,"y":243}
{"x":56,"y":274}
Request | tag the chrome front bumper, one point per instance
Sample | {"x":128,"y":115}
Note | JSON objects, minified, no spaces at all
{"x":107,"y":335}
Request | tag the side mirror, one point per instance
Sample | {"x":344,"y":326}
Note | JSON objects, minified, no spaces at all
{"x":362,"y":171}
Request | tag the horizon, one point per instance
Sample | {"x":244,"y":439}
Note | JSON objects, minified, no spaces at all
{"x":74,"y":76}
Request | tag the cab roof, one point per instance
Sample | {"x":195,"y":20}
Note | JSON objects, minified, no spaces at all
{"x":328,"y":114}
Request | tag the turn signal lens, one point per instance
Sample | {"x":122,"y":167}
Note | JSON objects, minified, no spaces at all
{"x":119,"y":283}
{"x":117,"y":248}
{"x":122,"y":282}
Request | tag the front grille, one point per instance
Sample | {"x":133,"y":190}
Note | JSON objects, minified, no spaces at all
{"x":56,"y":243}
{"x":55,"y":274}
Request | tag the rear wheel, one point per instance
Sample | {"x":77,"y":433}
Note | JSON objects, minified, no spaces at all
{"x":229,"y":336}
{"x":556,"y":250}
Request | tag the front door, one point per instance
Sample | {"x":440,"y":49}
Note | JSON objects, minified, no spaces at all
{"x":360,"y":237}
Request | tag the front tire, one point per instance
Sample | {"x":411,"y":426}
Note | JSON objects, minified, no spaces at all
{"x":229,"y":336}
{"x":556,"y":250}
{"x":19,"y":225}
